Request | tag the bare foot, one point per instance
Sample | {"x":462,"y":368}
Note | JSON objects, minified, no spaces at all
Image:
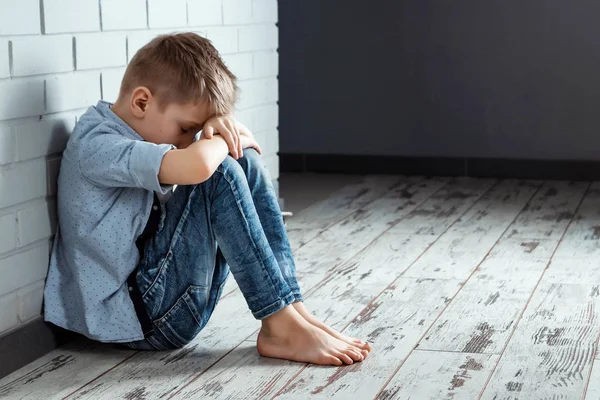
{"x":287,"y":335}
{"x":319,"y":324}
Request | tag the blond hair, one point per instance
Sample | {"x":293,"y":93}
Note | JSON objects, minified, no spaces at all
{"x":182,"y":68}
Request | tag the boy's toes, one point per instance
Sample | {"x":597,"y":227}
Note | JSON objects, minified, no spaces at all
{"x":364,"y":353}
{"x":344,"y":357}
{"x":355,"y":355}
{"x":332,"y":360}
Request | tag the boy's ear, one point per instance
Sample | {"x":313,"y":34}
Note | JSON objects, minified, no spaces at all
{"x":140,"y":97}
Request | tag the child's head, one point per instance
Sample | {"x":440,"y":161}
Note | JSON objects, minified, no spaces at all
{"x":172,"y":86}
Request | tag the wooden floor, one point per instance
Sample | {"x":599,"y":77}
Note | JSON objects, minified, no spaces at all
{"x":467,"y":289}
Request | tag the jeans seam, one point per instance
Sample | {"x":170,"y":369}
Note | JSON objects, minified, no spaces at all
{"x":254,"y":247}
{"x":174,"y":239}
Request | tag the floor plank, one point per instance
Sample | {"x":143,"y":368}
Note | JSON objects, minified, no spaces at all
{"x":482,"y":316}
{"x":551,"y":352}
{"x":593,"y":390}
{"x":430,"y":375}
{"x":549,"y":214}
{"x":151,"y":374}
{"x":62,"y":371}
{"x":307,"y":224}
{"x":462,"y":248}
{"x":393,"y":324}
{"x":393,"y":211}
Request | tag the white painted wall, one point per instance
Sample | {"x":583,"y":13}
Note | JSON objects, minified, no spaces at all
{"x":57,"y":57}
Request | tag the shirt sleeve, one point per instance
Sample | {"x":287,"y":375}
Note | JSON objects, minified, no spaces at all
{"x":111,"y":160}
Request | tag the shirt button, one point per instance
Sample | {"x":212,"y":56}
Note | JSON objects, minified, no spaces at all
{"x":130,"y":289}
{"x":155,"y":208}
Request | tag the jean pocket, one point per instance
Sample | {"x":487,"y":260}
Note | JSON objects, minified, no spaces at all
{"x":185,"y":319}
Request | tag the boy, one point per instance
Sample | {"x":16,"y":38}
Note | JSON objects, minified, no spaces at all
{"x":138,"y":263}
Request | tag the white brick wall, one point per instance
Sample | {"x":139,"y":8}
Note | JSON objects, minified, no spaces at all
{"x":58,"y":57}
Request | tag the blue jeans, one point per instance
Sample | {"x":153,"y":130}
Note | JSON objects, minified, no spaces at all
{"x":231,"y":221}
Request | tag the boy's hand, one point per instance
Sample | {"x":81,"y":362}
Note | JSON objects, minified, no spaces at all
{"x":248,"y":141}
{"x":230,"y":129}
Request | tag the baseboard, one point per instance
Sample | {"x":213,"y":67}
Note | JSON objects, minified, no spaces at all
{"x":441,"y":166}
{"x":30,"y":342}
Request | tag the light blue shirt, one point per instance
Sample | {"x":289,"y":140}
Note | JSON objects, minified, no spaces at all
{"x":105,"y":191}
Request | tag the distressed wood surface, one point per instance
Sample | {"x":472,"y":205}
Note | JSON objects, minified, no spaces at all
{"x":152,"y":374}
{"x":342,"y":241}
{"x":464,"y":246}
{"x":551,"y":352}
{"x":482,"y":316}
{"x":394,"y":323}
{"x":551,"y":211}
{"x":430,"y":375}
{"x":348,"y":290}
{"x":593,"y":389}
{"x":62,"y":371}
{"x":307,"y":224}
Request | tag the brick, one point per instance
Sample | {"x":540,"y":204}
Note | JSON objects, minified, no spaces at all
{"x":265,"y":63}
{"x":8,"y":233}
{"x":205,"y":12}
{"x":24,"y":268}
{"x":8,"y":312}
{"x":258,"y":37}
{"x":272,"y":164}
{"x":237,"y":12}
{"x":136,"y":40}
{"x":225,"y":39}
{"x":4,"y":62}
{"x":167,"y":13}
{"x":19,"y":18}
{"x":12,"y":187}
{"x":257,"y":92}
{"x":71,"y":16}
{"x":42,"y":55}
{"x":245,"y":117}
{"x":265,"y":117}
{"x":100,"y":50}
{"x":239,"y":64}
{"x":70,"y":92}
{"x":269,"y":141}
{"x":7,"y":145}
{"x":123,"y":14}
{"x":52,"y":169}
{"x":37,"y":222}
{"x":40,"y":138}
{"x":21,"y":99}
{"x":111,"y":84}
{"x":264,"y":10}
{"x":30,"y":301}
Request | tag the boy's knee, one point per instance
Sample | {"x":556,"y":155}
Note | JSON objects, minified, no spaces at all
{"x":232,"y":167}
{"x":251,"y":155}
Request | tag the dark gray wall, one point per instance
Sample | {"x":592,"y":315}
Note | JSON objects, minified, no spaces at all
{"x":468,"y":78}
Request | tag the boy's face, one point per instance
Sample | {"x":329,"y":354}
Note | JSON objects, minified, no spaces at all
{"x":176,"y":124}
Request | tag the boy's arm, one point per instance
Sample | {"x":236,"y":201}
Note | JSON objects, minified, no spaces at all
{"x":194,"y":164}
